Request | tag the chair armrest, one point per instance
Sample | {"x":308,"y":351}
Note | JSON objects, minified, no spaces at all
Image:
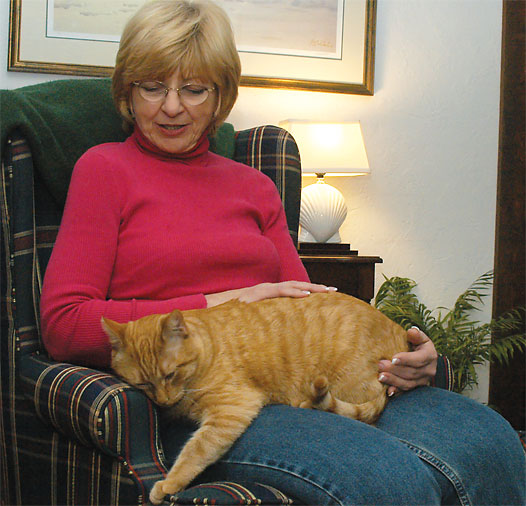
{"x":444,"y":377}
{"x":97,"y":409}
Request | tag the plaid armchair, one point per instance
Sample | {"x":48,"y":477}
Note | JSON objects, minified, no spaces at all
{"x":70,"y":434}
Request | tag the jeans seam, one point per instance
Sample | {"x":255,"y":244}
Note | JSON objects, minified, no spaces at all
{"x":283,"y":469}
{"x":445,"y":469}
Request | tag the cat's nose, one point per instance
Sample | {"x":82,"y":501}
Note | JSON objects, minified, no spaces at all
{"x":162,"y":399}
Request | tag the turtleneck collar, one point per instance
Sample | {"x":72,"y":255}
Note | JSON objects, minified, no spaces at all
{"x":144,"y":144}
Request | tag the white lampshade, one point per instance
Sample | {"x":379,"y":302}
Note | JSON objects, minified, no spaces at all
{"x":335,"y":149}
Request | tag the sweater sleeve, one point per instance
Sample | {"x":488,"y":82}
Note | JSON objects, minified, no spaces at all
{"x":77,"y":278}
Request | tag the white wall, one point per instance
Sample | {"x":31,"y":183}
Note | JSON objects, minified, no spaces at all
{"x":431,"y":133}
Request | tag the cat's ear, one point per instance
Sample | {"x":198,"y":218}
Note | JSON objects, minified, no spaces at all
{"x":174,"y":326}
{"x":114,"y":331}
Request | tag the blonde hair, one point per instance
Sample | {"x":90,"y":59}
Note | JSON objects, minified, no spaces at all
{"x":193,"y":37}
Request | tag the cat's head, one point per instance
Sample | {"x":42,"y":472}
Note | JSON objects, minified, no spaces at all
{"x":154,"y":354}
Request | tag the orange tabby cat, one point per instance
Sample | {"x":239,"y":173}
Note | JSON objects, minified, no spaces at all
{"x":220,"y":366}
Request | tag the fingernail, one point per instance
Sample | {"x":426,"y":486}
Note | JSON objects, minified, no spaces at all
{"x":306,"y":292}
{"x":390,"y":394}
{"x":395,"y":361}
{"x":415,"y":327}
{"x":382,"y":378}
{"x":331,"y":289}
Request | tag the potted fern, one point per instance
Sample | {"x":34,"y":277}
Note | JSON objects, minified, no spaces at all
{"x":466,"y":342}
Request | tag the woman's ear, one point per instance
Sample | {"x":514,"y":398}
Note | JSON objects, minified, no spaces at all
{"x":216,"y":112}
{"x":131,"y":112}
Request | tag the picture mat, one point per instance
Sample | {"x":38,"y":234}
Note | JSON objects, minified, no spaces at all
{"x":298,"y":27}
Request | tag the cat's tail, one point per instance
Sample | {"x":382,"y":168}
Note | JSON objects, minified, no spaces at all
{"x":367,"y":412}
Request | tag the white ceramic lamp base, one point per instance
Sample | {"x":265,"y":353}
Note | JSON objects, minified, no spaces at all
{"x":322,"y":213}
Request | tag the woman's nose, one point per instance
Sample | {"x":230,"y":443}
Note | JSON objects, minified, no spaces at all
{"x":172,"y":103}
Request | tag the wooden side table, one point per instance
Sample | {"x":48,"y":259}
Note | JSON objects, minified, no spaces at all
{"x":349,"y":272}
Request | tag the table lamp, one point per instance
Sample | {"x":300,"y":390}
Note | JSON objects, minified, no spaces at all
{"x":334,"y":149}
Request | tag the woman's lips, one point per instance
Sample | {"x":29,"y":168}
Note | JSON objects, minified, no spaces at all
{"x":172,"y":129}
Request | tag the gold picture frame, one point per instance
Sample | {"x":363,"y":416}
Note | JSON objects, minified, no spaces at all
{"x":350,"y":72}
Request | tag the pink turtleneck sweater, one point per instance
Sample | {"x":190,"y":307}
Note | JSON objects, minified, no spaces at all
{"x":145,"y":233}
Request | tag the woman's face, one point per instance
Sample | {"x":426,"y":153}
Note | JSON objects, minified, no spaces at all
{"x":170,"y":124}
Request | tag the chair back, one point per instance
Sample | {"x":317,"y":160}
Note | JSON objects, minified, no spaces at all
{"x":45,"y":128}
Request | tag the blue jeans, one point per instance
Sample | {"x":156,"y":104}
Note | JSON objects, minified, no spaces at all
{"x":429,"y":446}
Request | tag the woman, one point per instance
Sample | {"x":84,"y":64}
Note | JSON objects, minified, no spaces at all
{"x":158,"y":222}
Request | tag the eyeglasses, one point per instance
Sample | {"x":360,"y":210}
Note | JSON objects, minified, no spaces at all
{"x":189,"y":94}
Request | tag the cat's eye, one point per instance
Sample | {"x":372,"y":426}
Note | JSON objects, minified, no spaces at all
{"x":170,"y":377}
{"x":144,"y":386}
{"x":186,"y":362}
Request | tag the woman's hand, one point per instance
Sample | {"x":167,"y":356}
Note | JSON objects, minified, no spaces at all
{"x":410,"y":369}
{"x":262,"y":291}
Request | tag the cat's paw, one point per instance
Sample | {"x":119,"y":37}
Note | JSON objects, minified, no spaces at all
{"x":157,"y":494}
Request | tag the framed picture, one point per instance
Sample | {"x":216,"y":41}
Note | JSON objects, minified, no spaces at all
{"x":318,"y":45}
